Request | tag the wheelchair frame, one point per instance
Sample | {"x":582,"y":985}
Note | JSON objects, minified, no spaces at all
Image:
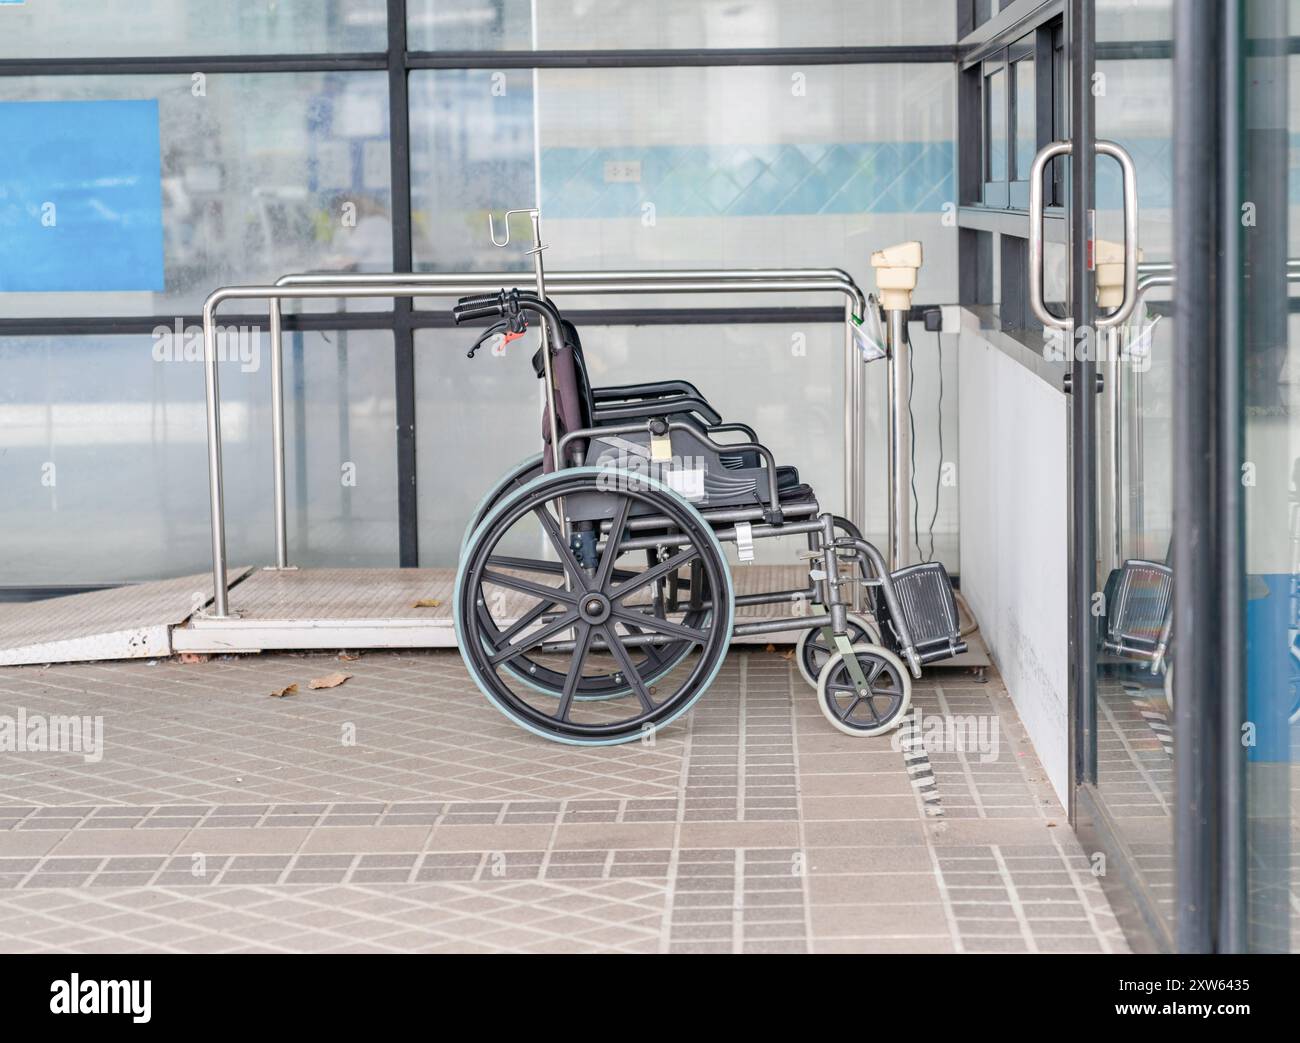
{"x":836,"y":549}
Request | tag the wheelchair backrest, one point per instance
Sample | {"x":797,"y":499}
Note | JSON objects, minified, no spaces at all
{"x":575,"y":405}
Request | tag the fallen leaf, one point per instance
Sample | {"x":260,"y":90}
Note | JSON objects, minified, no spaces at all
{"x":349,"y":657}
{"x":329,"y":681}
{"x":770,"y":649}
{"x":289,"y":689}
{"x":194,"y":657}
{"x":788,"y":654}
{"x":427,"y":603}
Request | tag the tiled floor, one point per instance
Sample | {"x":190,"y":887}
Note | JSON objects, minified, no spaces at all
{"x":400,"y":812}
{"x":1135,"y":754}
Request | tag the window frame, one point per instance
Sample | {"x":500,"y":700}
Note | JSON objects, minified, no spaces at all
{"x":403,"y":319}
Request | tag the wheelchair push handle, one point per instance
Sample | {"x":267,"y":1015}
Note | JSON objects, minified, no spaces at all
{"x":513,"y":306}
{"x":479,"y":307}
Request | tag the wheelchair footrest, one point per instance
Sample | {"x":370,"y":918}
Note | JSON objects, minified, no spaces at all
{"x":1138,"y":600}
{"x":925,"y":598}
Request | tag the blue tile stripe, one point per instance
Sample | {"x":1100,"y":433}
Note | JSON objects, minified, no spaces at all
{"x":750,"y":180}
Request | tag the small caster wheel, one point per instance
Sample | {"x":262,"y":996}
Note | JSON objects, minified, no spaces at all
{"x":878,"y":709}
{"x":814,"y":647}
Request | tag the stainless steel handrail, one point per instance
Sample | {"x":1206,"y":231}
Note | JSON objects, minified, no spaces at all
{"x":413,"y":285}
{"x":594,"y":282}
{"x":1124,"y":405}
{"x":1161,"y":273}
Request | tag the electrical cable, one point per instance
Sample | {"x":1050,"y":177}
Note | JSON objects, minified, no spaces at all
{"x":911,"y":424}
{"x":938,"y":471}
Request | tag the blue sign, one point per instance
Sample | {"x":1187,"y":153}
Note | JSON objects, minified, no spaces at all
{"x":80,"y":196}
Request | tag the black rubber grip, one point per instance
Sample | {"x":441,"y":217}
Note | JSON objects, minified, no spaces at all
{"x":468,"y":308}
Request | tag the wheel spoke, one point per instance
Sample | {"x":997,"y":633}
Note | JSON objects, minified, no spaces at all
{"x":523,"y":623}
{"x":506,"y":561}
{"x":533,"y":639}
{"x":616,"y":527}
{"x":629,"y":671}
{"x":654,"y":572}
{"x":849,"y":712}
{"x":571,"y":679}
{"x":538,"y":590}
{"x":552,"y":528}
{"x":662,"y":626}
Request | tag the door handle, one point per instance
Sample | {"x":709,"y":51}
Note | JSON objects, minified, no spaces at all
{"x":1128,"y":172}
{"x":1128,"y":178}
{"x":1036,"y":303}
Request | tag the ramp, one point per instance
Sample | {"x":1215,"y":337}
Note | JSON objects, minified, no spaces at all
{"x":132,"y":622}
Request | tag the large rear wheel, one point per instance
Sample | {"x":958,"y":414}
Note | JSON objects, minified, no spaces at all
{"x":560,"y":617}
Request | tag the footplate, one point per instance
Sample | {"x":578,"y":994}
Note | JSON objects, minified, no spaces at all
{"x":925,"y":598}
{"x":1138,"y":600}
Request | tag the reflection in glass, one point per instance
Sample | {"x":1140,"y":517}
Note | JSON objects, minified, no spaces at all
{"x":1026,"y":129}
{"x":995,"y":126}
{"x":130,"y":28}
{"x":262,"y":174}
{"x":1134,"y":726}
{"x":488,"y":25}
{"x":1271,"y":460}
{"x":121,"y":420}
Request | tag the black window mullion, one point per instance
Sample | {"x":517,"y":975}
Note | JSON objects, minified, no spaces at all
{"x":399,"y":138}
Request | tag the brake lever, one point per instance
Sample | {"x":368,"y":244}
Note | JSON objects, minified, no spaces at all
{"x":513,"y":328}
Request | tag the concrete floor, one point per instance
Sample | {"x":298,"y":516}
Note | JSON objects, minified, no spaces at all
{"x":401,"y":812}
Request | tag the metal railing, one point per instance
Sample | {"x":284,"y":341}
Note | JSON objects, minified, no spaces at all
{"x":420,"y":285}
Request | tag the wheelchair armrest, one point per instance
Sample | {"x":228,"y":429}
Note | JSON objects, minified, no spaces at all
{"x":653,"y":389}
{"x":744,"y":429}
{"x":674,"y":405}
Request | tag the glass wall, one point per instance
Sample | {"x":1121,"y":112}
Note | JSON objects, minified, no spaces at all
{"x":1271,"y":473}
{"x":279,"y":158}
{"x":259,"y":175}
{"x":141,"y":28}
{"x":507,"y":25}
{"x":726,"y":167}
{"x":105,"y":449}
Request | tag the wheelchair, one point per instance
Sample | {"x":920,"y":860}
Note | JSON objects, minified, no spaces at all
{"x":593,"y":602}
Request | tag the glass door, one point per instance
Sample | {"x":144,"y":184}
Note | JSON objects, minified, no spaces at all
{"x":1133,"y":725}
{"x":1116,"y":199}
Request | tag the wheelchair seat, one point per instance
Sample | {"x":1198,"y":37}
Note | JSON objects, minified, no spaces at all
{"x":728,"y":479}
